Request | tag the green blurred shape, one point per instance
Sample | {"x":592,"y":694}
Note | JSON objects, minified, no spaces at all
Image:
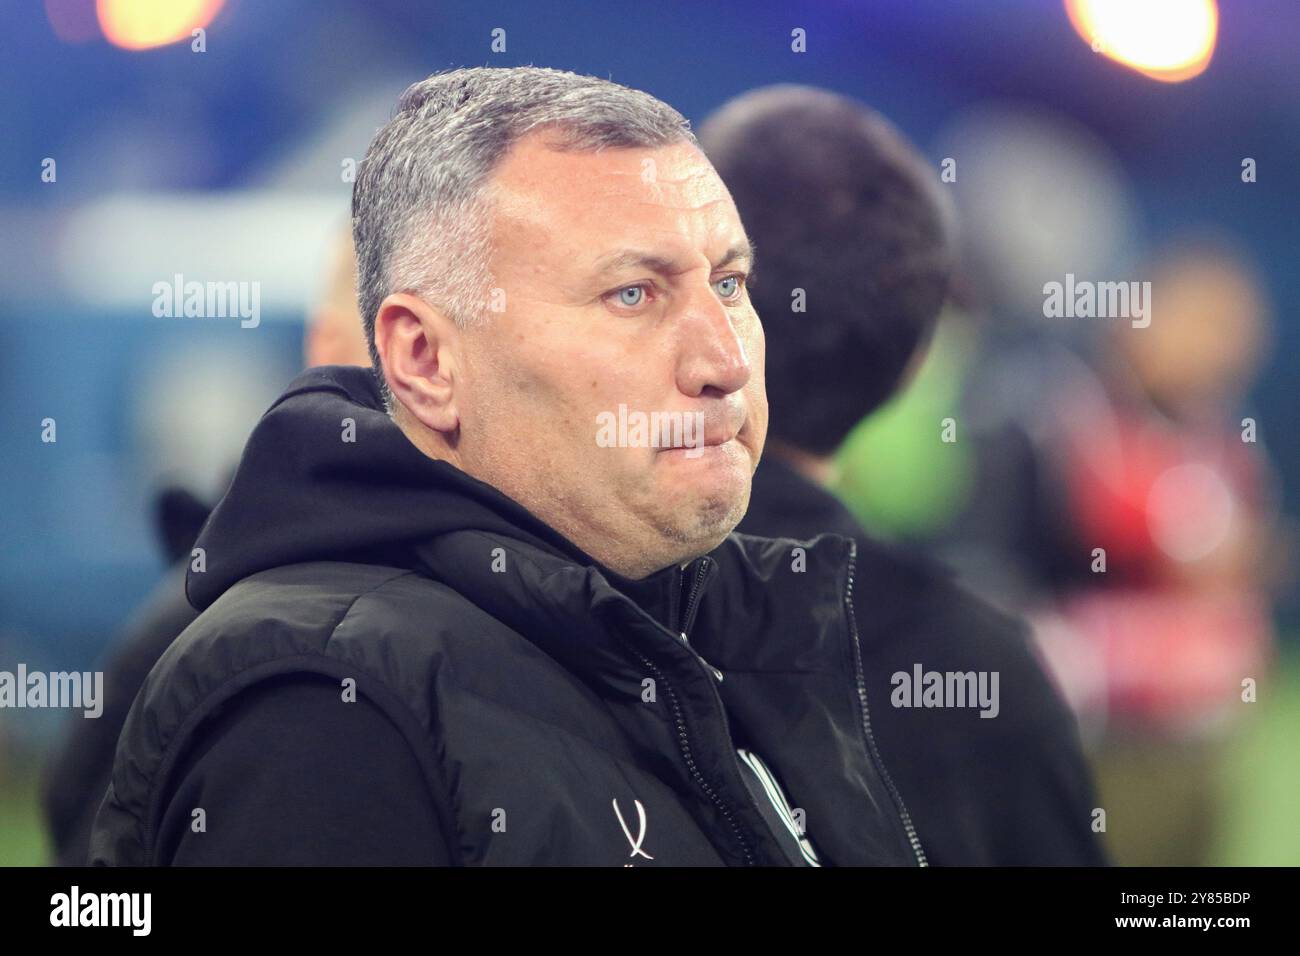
{"x":895,"y":473}
{"x":1259,"y":778}
{"x":22,"y":828}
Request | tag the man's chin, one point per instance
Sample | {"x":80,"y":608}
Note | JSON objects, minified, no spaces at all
{"x":703,"y":523}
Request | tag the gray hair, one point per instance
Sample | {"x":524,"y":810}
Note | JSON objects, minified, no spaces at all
{"x":420,"y":216}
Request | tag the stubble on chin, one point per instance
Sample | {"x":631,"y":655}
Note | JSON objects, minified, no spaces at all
{"x":701,"y":525}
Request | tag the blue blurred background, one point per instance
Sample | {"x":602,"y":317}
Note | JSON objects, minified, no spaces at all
{"x":234,"y":161}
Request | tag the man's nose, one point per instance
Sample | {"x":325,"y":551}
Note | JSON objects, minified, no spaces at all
{"x":712,"y":352}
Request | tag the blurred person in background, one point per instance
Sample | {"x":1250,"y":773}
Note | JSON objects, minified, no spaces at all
{"x":77,"y":773}
{"x":1168,"y":523}
{"x":857,"y":225}
{"x":1120,"y":501}
{"x":334,"y":334}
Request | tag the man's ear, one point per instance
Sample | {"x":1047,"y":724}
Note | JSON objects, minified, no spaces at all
{"x":418,"y":346}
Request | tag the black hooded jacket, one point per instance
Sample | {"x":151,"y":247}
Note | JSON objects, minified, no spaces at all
{"x":395,"y":663}
{"x":1013,"y":790}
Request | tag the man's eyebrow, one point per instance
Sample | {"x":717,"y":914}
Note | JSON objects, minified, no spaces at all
{"x":636,"y":258}
{"x":741,"y":250}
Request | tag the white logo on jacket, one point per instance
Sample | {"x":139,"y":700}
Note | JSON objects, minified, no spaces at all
{"x":640,"y":836}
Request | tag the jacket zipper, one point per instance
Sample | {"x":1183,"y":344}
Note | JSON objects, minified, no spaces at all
{"x":866,"y":715}
{"x":688,"y":612}
{"x":683,"y":742}
{"x":685,"y":622}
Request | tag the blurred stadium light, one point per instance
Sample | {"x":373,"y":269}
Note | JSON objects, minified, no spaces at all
{"x":141,"y":24}
{"x":1167,"y":40}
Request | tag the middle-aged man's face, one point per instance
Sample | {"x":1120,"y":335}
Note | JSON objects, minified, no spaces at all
{"x":624,"y":276}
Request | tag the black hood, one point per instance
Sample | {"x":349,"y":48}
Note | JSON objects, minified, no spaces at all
{"x":303,"y":492}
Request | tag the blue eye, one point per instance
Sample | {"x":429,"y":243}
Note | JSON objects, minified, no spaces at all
{"x":731,"y":290}
{"x":632,"y":296}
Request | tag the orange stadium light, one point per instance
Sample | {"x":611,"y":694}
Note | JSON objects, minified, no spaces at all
{"x":1167,"y":40}
{"x":141,"y":24}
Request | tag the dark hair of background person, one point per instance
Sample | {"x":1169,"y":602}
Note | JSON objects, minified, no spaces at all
{"x":852,"y":215}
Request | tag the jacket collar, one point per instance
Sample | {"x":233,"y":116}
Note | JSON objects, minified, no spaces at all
{"x":671,"y":596}
{"x":578,"y":611}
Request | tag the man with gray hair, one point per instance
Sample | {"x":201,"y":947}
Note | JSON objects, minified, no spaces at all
{"x":443,"y":621}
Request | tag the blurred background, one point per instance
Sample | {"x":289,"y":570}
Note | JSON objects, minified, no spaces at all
{"x":1113,"y":140}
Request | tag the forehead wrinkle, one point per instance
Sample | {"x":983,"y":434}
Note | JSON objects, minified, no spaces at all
{"x":705,"y":206}
{"x":667,"y":264}
{"x":700,"y":189}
